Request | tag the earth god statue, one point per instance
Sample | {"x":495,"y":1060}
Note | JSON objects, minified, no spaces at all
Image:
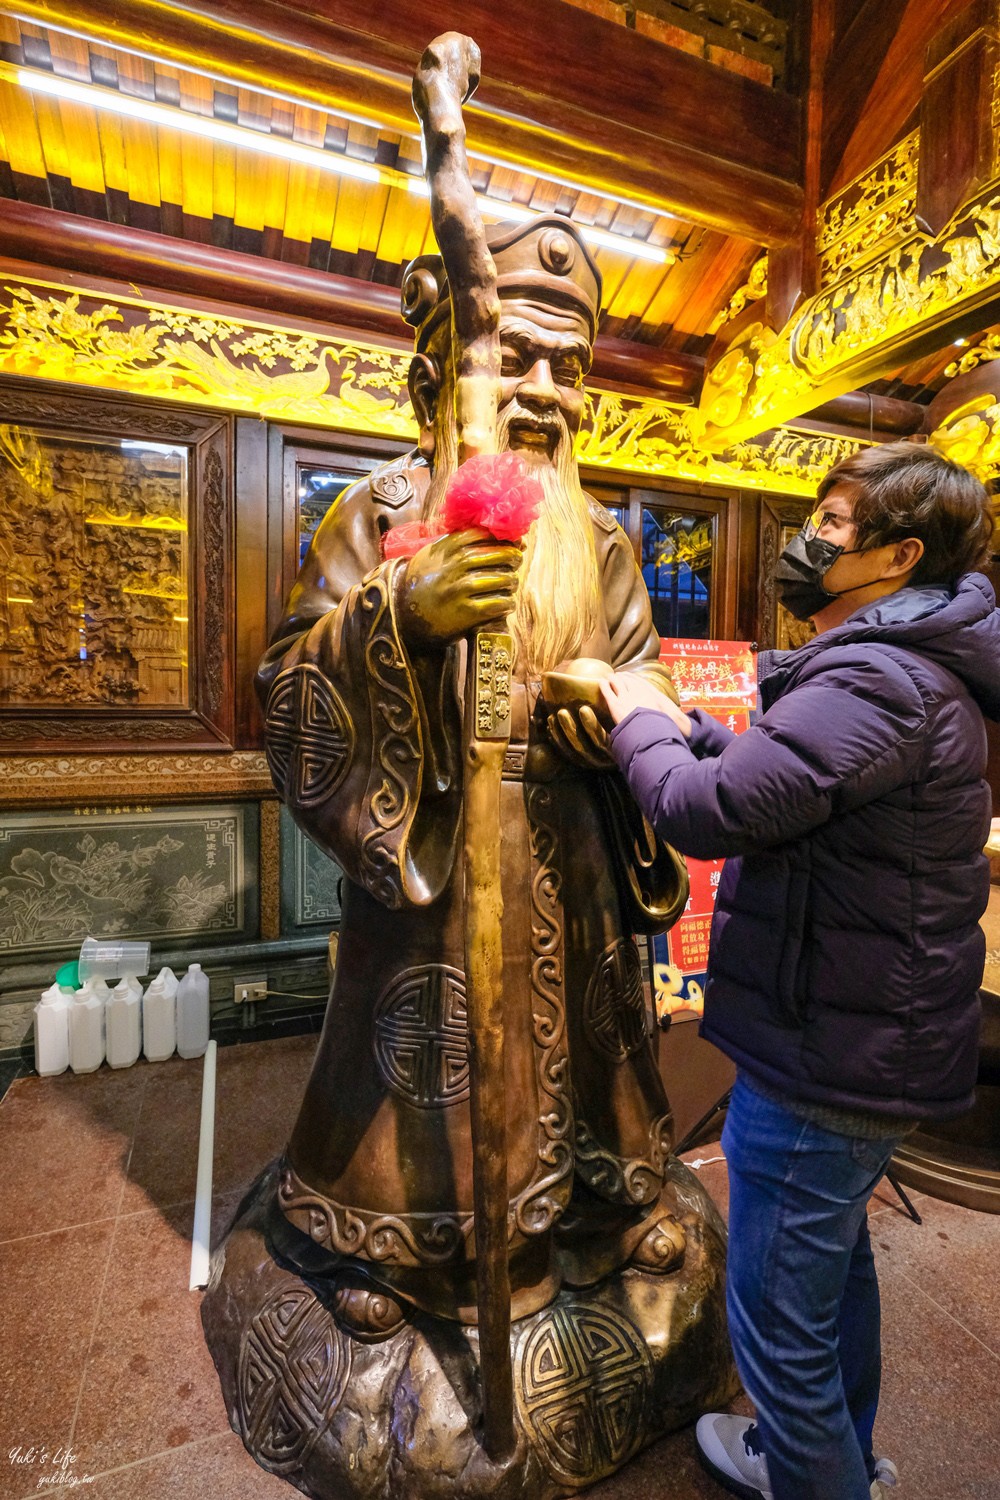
{"x":477,"y":1270}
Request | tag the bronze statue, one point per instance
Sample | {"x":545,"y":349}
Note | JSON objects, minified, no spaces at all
{"x":374,"y":1334}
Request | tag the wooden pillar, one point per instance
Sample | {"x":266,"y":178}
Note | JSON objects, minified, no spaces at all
{"x":792,"y":269}
{"x":956,"y":114}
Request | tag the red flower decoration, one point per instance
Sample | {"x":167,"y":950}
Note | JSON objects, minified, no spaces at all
{"x":494,"y":491}
{"x":406,"y":540}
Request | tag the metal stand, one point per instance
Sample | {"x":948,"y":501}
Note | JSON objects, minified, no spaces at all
{"x":718,"y":1108}
{"x":721,"y":1105}
{"x":901,"y":1194}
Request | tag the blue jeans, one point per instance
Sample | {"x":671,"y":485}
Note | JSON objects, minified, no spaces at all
{"x":802,"y":1294}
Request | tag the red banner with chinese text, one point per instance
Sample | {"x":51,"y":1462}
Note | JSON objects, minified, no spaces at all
{"x":719,"y":677}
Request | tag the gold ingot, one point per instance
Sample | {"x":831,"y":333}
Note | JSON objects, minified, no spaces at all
{"x":579,"y":684}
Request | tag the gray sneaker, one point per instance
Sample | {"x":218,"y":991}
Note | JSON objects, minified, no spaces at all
{"x":729,"y":1448}
{"x":886,"y":1479}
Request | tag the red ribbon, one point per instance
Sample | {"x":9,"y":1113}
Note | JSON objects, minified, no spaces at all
{"x":494,"y":492}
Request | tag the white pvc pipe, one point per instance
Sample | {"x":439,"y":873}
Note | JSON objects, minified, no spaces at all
{"x":202,"y":1232}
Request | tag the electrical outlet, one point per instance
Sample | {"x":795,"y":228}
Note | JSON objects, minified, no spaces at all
{"x":252,"y":988}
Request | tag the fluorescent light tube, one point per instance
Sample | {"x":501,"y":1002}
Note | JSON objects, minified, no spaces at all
{"x":497,"y":208}
{"x":177,"y":119}
{"x":245,"y":138}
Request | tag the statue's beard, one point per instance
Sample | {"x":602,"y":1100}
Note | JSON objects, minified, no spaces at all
{"x":558,"y":595}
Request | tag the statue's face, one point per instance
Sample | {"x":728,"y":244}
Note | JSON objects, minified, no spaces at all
{"x":546,"y":352}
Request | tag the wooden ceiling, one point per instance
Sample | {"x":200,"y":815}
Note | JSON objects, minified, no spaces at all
{"x":87,"y":161}
{"x":97,"y":165}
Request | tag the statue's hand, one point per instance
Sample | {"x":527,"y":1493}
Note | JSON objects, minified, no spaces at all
{"x":447,"y":75}
{"x":455,"y":585}
{"x":578,"y":735}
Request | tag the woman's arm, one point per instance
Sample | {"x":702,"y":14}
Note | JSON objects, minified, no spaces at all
{"x":849,"y":735}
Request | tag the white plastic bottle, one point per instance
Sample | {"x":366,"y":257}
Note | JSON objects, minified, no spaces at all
{"x":86,"y":1030}
{"x":159,"y":1022}
{"x":192,"y":1012}
{"x":52,"y":1031}
{"x":124,"y":1023}
{"x":102,"y":990}
{"x":169,"y":980}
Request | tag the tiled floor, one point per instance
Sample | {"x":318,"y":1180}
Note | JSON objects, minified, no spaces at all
{"x":102,"y":1360}
{"x":11,"y":1068}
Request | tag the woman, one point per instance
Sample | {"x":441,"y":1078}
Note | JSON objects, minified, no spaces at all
{"x":846,"y":954}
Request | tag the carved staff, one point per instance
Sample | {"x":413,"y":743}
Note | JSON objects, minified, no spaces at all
{"x":448,"y":75}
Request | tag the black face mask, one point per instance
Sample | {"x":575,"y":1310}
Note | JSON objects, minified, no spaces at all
{"x":800,"y":571}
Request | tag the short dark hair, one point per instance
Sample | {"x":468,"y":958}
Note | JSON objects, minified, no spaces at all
{"x":909,"y":489}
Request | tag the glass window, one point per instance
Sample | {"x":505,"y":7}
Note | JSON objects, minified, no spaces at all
{"x":677,"y":569}
{"x":93,"y":572}
{"x":317,"y":489}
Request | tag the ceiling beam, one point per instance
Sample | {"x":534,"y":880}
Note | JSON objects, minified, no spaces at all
{"x":159,"y":263}
{"x":884,"y":415}
{"x":619,"y":114}
{"x":793,"y":270}
{"x":647,"y":369}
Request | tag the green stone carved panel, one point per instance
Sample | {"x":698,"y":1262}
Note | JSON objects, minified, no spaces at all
{"x":157,"y":873}
{"x":310,"y":898}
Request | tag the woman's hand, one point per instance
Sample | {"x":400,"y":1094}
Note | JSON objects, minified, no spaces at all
{"x":626,"y":691}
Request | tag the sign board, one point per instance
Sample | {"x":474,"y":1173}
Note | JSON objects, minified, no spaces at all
{"x":719,"y":677}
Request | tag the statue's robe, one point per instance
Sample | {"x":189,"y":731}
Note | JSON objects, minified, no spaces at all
{"x":364,"y":741}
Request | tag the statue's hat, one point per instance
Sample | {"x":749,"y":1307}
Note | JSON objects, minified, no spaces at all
{"x":545,"y":259}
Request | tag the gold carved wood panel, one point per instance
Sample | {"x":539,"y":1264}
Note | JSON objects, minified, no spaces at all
{"x":119,"y":342}
{"x":116,"y":548}
{"x":94,"y":544}
{"x":168,"y":352}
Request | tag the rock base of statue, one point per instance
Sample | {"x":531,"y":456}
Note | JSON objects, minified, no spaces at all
{"x":599,"y":1373}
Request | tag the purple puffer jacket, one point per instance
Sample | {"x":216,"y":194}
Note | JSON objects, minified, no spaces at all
{"x":846,"y":951}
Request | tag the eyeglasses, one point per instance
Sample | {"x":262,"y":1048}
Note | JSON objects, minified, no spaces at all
{"x":820,"y":518}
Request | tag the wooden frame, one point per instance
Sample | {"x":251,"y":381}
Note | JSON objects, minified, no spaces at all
{"x":208,"y":722}
{"x":733,"y":604}
{"x":288,"y":449}
{"x":656,"y":499}
{"x":267,"y":530}
{"x":777,"y":518}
